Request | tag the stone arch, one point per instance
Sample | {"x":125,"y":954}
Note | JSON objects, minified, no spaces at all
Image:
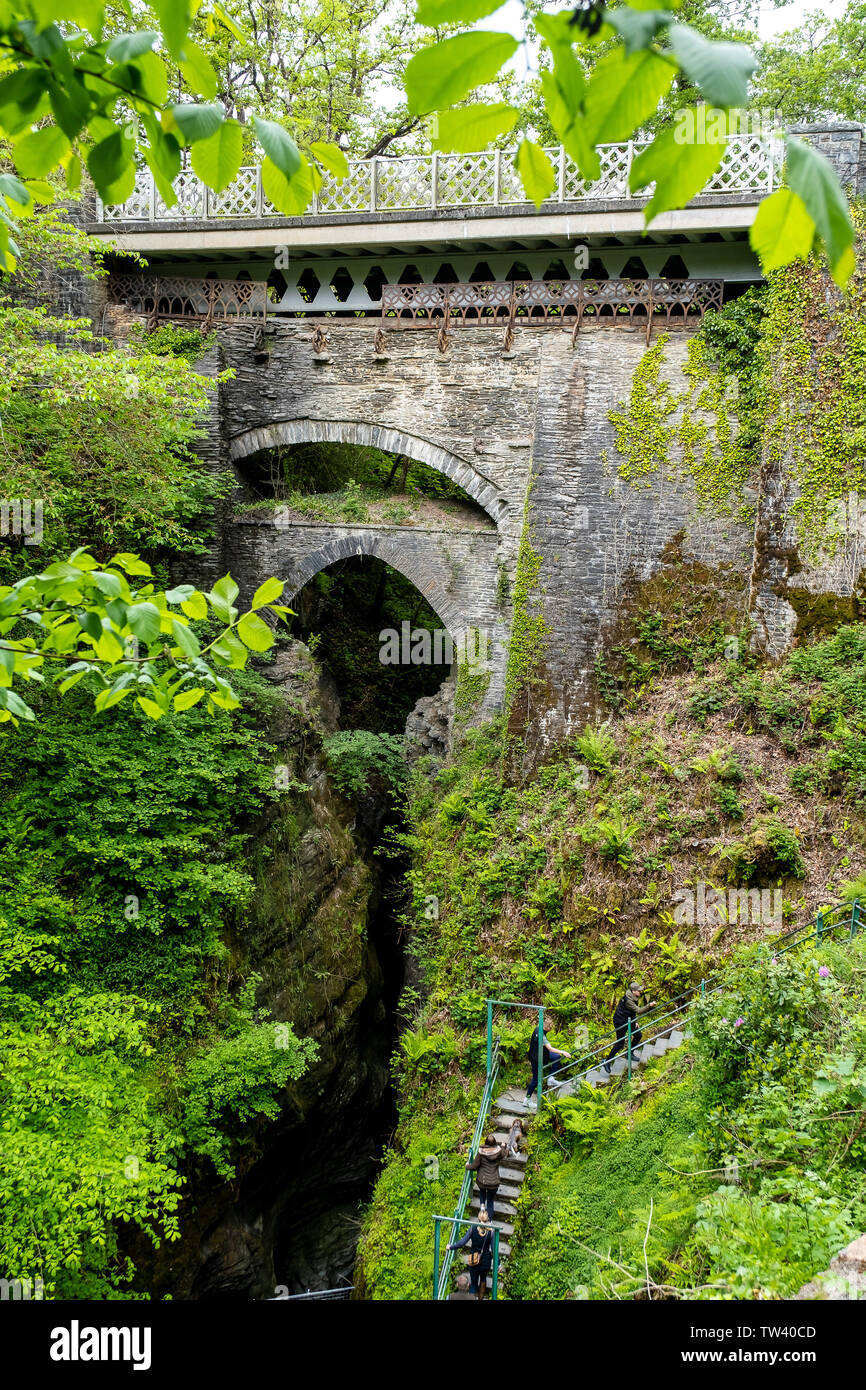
{"x":392,"y":552}
{"x":306,"y":431}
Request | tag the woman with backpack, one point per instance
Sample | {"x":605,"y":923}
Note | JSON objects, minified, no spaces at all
{"x":486,"y":1165}
{"x":479,"y":1238}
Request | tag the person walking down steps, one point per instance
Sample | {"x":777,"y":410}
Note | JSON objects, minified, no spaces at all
{"x":480,"y":1241}
{"x":629,"y":1007}
{"x":486,"y":1165}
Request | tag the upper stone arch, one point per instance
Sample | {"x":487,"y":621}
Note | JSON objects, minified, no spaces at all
{"x":389,"y":549}
{"x":307,"y":431}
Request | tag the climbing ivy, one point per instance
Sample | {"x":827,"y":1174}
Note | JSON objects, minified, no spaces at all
{"x":643,"y":429}
{"x":528,"y":627}
{"x":812,"y":355}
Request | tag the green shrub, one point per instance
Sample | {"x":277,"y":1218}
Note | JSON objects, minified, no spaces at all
{"x":237,"y":1080}
{"x":357,"y":757}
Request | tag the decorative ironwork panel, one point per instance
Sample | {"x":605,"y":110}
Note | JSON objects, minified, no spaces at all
{"x":137,"y":206}
{"x":190,"y":198}
{"x":466,"y":180}
{"x":182,"y":297}
{"x":542,"y":300}
{"x":404,"y":183}
{"x":750,"y":165}
{"x":747,"y":165}
{"x":353,"y":194}
{"x":240,"y":199}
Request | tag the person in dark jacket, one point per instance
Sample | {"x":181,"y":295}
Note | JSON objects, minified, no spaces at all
{"x":629,"y":1007}
{"x":479,"y":1238}
{"x":553,"y":1060}
{"x":486,"y":1165}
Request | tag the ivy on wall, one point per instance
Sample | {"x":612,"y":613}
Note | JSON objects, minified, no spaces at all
{"x":776,"y":379}
{"x":812,"y":357}
{"x":528,"y":627}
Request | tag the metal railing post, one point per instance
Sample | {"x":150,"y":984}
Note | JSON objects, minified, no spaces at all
{"x":629,"y":159}
{"x":259,"y":198}
{"x":855,"y":918}
{"x":819,"y":926}
{"x":373,"y":189}
{"x":489,"y":1035}
{"x":562,"y":173}
{"x":629,"y":1048}
{"x":434,"y":180}
{"x":497,"y":178}
{"x":703,"y":986}
{"x":540,"y":1068}
{"x":436,"y":1257}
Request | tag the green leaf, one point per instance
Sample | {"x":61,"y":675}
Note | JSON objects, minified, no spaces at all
{"x":185,"y":639}
{"x":267,"y":592}
{"x":289,"y":196}
{"x":442,"y":74}
{"x":217,"y":160}
{"x":331,"y":157}
{"x":227,"y":21}
{"x":40,"y":152}
{"x":195,"y":606}
{"x":126,"y":561}
{"x":472,"y":127}
{"x":678,"y":170}
{"x":106,"y":698}
{"x":254,"y":633}
{"x":230,"y":652}
{"x":814,"y":180}
{"x":11,"y":700}
{"x":782,"y":231}
{"x":144,"y":622}
{"x":436,"y":12}
{"x":112,"y":169}
{"x":278,"y":145}
{"x":151,"y":709}
{"x":624,"y":91}
{"x":198,"y":122}
{"x":536,"y":171}
{"x":127,"y":46}
{"x":15,"y":191}
{"x":178,"y":594}
{"x":174,"y":20}
{"x":188,"y":698}
{"x":198,"y":70}
{"x":636,"y":26}
{"x":570,"y":125}
{"x":721,"y":70}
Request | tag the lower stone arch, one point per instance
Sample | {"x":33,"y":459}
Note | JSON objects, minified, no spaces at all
{"x":307,"y":431}
{"x":389,"y":550}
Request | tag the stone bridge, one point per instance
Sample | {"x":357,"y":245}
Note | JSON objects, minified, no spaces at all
{"x":520,"y":421}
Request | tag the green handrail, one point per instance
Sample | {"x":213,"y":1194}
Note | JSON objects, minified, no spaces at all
{"x":441,"y":1272}
{"x":827,"y":924}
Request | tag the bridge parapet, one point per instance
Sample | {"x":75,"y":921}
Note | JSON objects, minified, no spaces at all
{"x":751,"y":165}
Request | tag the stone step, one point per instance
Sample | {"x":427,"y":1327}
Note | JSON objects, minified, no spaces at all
{"x":676,"y":1038}
{"x":510,"y":1174}
{"x":502,"y":1209}
{"x":507,"y":1192}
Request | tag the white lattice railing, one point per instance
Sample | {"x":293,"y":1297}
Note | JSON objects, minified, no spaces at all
{"x":489,"y":179}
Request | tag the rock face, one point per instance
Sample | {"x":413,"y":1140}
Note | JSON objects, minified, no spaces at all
{"x":430,"y":725}
{"x":289,"y":1219}
{"x":844,"y":1280}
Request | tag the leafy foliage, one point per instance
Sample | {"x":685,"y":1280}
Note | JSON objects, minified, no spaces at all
{"x":356,"y":756}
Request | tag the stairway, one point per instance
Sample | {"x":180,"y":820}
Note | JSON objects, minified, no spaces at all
{"x":511,"y":1106}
